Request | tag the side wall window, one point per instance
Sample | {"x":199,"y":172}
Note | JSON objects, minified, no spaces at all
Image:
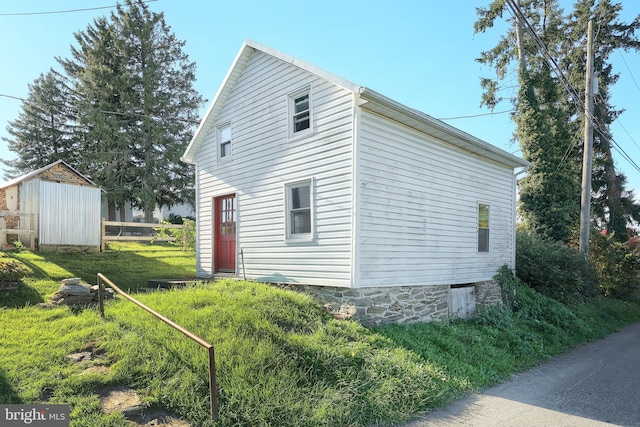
{"x":483,"y":228}
{"x":299,"y":210}
{"x":300,"y":118}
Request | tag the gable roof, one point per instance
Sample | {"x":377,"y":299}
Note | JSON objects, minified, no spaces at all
{"x":371,"y":100}
{"x":37,"y":172}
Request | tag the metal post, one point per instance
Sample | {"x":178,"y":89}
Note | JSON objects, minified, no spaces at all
{"x":244,"y":273}
{"x":100,"y":296}
{"x":213,"y":389}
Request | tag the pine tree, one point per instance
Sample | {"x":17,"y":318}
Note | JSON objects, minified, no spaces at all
{"x":548,"y":121}
{"x":44,"y":131}
{"x":613,"y":205}
{"x":164,"y":103}
{"x":138,"y":105}
{"x":97,"y":70}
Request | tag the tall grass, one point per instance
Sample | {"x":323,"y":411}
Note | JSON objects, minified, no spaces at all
{"x":281,"y":360}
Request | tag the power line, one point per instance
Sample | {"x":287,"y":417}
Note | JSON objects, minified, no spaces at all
{"x":477,"y":115}
{"x":64,"y":11}
{"x":551,"y":62}
{"x":627,"y":132}
{"x":119,"y":113}
{"x":12,"y":97}
{"x":630,"y":73}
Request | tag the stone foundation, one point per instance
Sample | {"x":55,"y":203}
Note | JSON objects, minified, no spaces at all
{"x":404,"y":304}
{"x":488,"y":294}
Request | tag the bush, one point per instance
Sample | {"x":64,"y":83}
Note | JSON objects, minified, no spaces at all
{"x":12,"y":271}
{"x":617,"y":265}
{"x":185,"y":236}
{"x":554,"y":269}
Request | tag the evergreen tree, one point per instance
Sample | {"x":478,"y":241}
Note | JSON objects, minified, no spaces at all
{"x":549,"y":123}
{"x":165,"y":105}
{"x":138,"y":106}
{"x":100,"y":79}
{"x":44,"y":131}
{"x":613,"y":205}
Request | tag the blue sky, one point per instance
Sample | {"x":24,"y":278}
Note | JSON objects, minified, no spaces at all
{"x":418,"y":52}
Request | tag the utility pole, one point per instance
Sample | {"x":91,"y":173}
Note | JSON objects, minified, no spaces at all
{"x":585,"y":204}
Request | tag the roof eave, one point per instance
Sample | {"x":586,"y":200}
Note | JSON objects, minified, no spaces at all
{"x":36,"y":172}
{"x":423,"y":122}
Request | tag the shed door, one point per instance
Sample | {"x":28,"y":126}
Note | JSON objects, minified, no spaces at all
{"x":225,"y":233}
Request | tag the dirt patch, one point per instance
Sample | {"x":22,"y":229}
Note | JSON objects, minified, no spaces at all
{"x":99,"y":369}
{"x":162,"y":419}
{"x":80,"y":356}
{"x":125,"y":400}
{"x":121,"y":399}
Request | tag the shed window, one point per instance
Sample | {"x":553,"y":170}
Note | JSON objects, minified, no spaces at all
{"x":483,"y":228}
{"x":299,"y":210}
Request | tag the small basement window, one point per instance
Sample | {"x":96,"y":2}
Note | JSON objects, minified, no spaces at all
{"x":483,"y":228}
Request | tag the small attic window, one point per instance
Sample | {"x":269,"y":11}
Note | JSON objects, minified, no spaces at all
{"x":300,"y":113}
{"x":224,"y":141}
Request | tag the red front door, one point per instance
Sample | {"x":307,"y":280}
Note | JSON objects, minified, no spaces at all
{"x":225,"y":233}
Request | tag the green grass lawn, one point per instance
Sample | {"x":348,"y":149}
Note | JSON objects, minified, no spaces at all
{"x":129,"y":265}
{"x":281,"y":359}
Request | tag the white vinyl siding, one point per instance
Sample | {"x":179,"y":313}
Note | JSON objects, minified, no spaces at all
{"x":418,"y":209}
{"x":265,"y":159}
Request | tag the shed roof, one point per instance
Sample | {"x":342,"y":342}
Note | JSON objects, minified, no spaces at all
{"x":37,"y":172}
{"x":372,"y":101}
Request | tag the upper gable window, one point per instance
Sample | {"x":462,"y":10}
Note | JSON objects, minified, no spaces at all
{"x":300,"y":113}
{"x":224,"y":142}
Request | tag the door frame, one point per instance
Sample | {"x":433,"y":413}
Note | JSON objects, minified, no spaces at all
{"x":217,"y":234}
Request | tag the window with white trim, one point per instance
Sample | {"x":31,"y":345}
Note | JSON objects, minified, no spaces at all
{"x":299,"y":210}
{"x":300,"y":113}
{"x":483,"y":227}
{"x":224,"y":142}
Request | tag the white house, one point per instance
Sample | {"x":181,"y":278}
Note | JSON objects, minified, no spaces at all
{"x":384,"y":212}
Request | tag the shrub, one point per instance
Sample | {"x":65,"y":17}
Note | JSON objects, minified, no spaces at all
{"x":617,"y":265}
{"x":12,"y":271}
{"x":554,"y":269}
{"x":185,"y":236}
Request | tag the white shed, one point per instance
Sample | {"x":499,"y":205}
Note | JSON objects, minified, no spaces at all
{"x":60,"y":206}
{"x":308,"y":179}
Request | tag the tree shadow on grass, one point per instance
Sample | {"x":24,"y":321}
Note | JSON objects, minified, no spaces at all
{"x":23,"y":296}
{"x":7,"y":393}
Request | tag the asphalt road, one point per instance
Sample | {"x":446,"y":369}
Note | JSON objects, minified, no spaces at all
{"x":596,"y":384}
